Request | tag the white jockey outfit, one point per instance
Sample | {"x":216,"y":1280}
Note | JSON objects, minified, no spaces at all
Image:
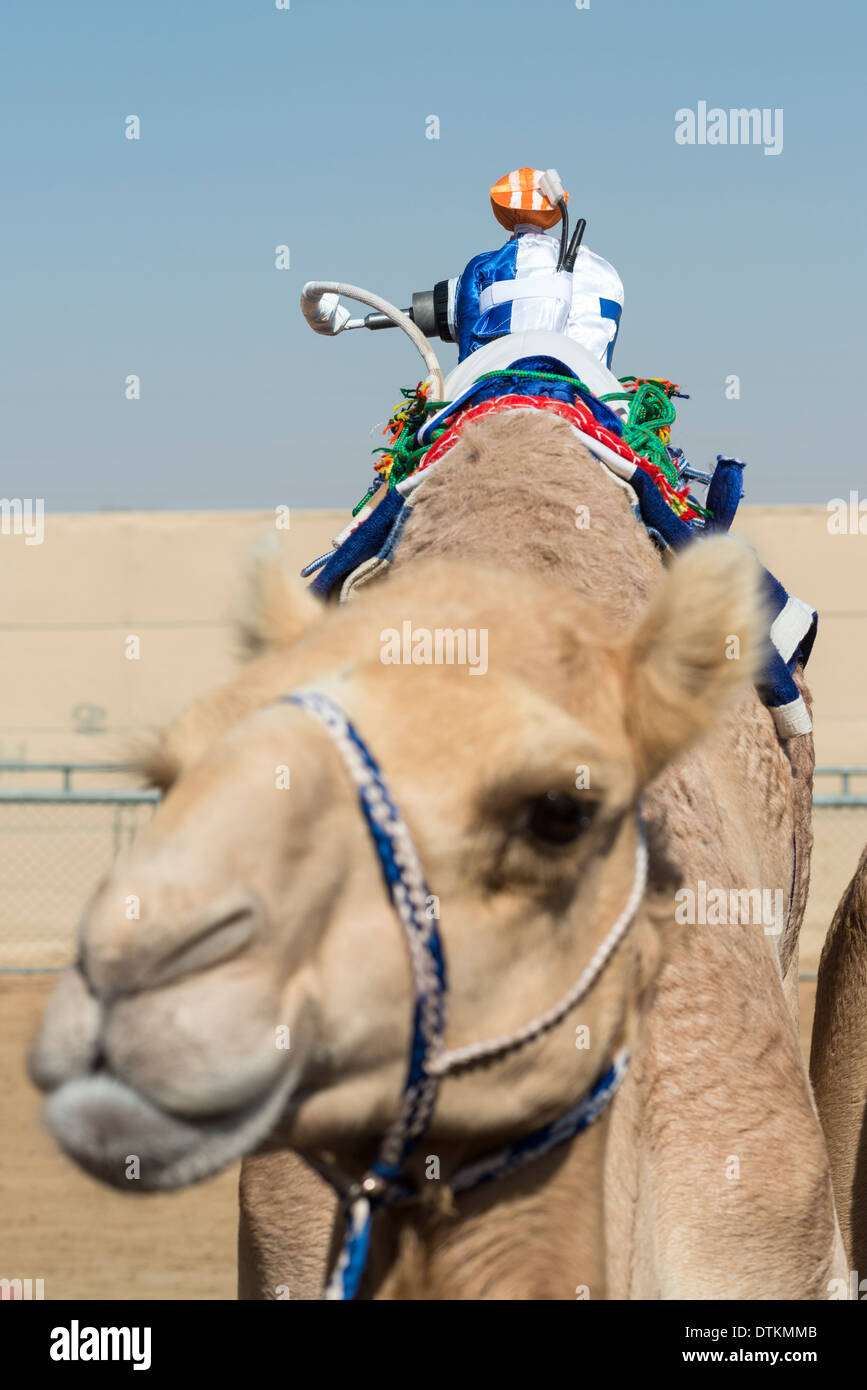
{"x":518,"y":288}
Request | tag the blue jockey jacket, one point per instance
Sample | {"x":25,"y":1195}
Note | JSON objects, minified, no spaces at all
{"x":518,"y":288}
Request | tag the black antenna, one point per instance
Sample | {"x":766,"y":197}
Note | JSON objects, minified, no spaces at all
{"x":574,"y":245}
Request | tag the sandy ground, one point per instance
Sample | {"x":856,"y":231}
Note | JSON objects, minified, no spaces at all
{"x":82,"y":1239}
{"x":86,"y":1241}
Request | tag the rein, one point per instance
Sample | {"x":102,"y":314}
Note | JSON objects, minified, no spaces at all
{"x":382,"y":1186}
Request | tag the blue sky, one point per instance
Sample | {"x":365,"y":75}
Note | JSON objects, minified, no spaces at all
{"x":307,"y":127}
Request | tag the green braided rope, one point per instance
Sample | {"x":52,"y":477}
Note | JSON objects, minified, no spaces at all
{"x":650,"y":410}
{"x":405,"y":459}
{"x":533,"y":376}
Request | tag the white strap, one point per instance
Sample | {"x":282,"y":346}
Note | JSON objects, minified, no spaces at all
{"x":792,"y":719}
{"x":533,"y":287}
{"x":791,"y":626}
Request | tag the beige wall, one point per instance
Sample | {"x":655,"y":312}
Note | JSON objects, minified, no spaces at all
{"x":173,"y":578}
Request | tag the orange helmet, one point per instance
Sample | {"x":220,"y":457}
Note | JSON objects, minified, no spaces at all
{"x":518,"y":198}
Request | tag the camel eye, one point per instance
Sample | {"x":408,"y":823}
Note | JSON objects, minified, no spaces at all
{"x":557,"y":819}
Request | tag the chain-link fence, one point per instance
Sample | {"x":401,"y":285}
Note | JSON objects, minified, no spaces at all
{"x":57,"y":843}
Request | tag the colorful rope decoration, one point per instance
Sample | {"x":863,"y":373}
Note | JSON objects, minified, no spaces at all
{"x":401,"y":458}
{"x":647,"y":432}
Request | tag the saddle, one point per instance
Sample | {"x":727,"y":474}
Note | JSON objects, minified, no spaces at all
{"x":625,"y":424}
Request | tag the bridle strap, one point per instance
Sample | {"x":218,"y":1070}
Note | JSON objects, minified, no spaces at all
{"x":428,"y":1062}
{"x":474,"y":1053}
{"x":410,"y":896}
{"x":573,"y":1122}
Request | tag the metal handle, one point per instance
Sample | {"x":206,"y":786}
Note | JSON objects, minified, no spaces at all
{"x":321,"y":307}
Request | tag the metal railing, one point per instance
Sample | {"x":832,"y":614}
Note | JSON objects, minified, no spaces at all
{"x":845,"y":796}
{"x":58,"y":842}
{"x":66,"y":769}
{"x":846,"y":772}
{"x":66,"y":791}
{"x":122,"y":796}
{"x":56,"y":845}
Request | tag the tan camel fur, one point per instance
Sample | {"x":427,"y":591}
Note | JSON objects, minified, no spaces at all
{"x":262,"y":908}
{"x":838,"y":1063}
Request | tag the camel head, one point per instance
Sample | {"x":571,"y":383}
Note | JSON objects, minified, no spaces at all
{"x":241,"y":978}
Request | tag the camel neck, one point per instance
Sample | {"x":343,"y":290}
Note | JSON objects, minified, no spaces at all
{"x":520,"y":494}
{"x":537,"y":1234}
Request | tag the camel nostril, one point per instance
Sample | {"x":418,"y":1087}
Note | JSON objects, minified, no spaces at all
{"x":224,"y":935}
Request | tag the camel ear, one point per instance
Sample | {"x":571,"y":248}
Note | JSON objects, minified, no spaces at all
{"x":696,"y":651}
{"x":277,"y":608}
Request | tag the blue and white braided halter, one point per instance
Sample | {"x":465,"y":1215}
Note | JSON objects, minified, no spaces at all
{"x":381,"y":1186}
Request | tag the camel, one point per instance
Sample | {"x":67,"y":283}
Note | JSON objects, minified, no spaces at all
{"x":263,"y":909}
{"x":838,"y":1065}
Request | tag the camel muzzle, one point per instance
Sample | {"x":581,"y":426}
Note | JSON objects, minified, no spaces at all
{"x":123,"y":1139}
